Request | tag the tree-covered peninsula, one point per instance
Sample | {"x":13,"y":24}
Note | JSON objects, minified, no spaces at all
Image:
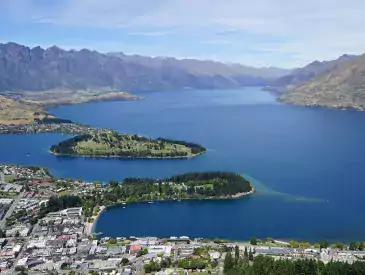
{"x":113,"y":144}
{"x":199,"y":185}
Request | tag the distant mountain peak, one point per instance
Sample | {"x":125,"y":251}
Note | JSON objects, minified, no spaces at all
{"x":23,"y":68}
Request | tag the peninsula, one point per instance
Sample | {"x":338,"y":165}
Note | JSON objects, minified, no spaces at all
{"x":198,"y":185}
{"x":109,"y":143}
{"x":94,"y":197}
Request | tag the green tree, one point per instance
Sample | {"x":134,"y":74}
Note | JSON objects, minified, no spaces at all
{"x":125,"y":261}
{"x":236,"y":253}
{"x":228,"y":262}
{"x":253,"y":241}
{"x":250,"y":255}
{"x":246,"y":253}
{"x":294,"y":244}
{"x":353,"y":245}
{"x":323,"y":244}
{"x":317,"y":245}
{"x":112,"y":241}
{"x":2,"y":234}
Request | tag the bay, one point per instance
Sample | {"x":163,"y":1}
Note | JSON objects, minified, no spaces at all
{"x":307,"y":164}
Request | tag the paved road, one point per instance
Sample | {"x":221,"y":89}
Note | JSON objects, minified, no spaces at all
{"x":11,"y":209}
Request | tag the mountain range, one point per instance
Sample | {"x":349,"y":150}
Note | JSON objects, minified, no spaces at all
{"x":37,"y":69}
{"x":56,"y":76}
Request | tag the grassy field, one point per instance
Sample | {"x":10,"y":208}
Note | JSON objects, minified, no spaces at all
{"x":15,"y":112}
{"x":67,"y":97}
{"x":24,"y":107}
{"x":127,"y":145}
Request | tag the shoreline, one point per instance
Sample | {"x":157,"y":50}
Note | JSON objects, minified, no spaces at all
{"x":232,"y":197}
{"x":91,"y":229}
{"x":119,"y":157}
{"x":90,"y":226}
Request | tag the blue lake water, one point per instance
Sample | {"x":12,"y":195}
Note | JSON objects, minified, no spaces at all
{"x":307,"y":164}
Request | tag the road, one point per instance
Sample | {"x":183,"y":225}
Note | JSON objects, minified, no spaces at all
{"x":11,"y":210}
{"x":139,"y":266}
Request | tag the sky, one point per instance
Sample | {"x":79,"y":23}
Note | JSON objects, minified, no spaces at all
{"x":281,"y":33}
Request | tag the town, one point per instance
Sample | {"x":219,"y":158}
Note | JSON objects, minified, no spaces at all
{"x":55,"y":127}
{"x":45,"y":230}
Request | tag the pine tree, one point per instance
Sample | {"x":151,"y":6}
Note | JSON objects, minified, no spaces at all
{"x":236,"y":253}
{"x":250,"y":255}
{"x":228,"y":262}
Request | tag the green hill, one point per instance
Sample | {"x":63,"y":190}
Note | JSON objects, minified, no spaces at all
{"x":114,"y":144}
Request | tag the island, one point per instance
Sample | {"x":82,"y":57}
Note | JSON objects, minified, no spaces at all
{"x":109,"y":143}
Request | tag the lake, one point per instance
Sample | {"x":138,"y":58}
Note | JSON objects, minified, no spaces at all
{"x":307,"y":164}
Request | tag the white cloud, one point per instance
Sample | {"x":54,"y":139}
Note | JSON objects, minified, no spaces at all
{"x":303,"y":30}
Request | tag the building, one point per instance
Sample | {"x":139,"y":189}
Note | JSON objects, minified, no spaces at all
{"x":6,"y":201}
{"x":134,"y":249}
{"x":160,"y":249}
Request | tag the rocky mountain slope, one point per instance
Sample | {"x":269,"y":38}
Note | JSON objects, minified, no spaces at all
{"x":342,"y":86}
{"x":307,"y":73}
{"x":36,"y":69}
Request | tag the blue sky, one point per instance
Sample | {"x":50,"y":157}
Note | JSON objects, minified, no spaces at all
{"x":284,"y":33}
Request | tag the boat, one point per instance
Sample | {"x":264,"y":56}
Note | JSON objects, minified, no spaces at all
{"x":150,"y":202}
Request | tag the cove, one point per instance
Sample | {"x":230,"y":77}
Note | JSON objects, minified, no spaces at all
{"x":307,"y":164}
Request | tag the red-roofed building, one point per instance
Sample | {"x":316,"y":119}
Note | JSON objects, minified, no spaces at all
{"x":134,"y":249}
{"x":63,"y":237}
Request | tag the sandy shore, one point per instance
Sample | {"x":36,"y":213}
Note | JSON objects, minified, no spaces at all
{"x":89,"y":225}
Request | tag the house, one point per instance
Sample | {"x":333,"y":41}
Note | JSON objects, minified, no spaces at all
{"x":22,"y":262}
{"x":6,"y":201}
{"x":134,"y":249}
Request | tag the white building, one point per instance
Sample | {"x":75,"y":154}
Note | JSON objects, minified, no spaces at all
{"x":6,"y":201}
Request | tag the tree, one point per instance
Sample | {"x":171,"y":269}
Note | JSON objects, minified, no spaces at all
{"x":317,"y":245}
{"x":250,"y":255}
{"x":340,"y":246}
{"x":304,"y":245}
{"x":112,"y":241}
{"x":353,"y":246}
{"x":113,"y":183}
{"x":246,"y":253}
{"x":294,"y":244}
{"x":323,"y":244}
{"x":361,"y":246}
{"x":228,"y":262}
{"x":2,"y":234}
{"x":125,"y":261}
{"x":142,"y":252}
{"x":236,"y":253}
{"x":253,"y":241}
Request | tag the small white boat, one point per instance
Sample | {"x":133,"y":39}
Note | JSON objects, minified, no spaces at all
{"x":150,"y":202}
